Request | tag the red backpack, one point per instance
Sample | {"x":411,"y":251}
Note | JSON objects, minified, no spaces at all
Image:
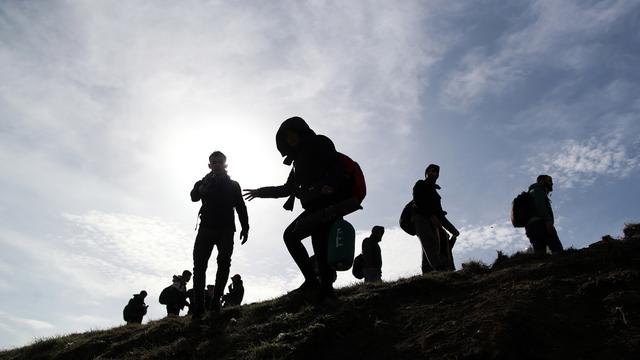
{"x":359,"y":187}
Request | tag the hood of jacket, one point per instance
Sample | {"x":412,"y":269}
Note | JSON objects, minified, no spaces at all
{"x":300,"y":127}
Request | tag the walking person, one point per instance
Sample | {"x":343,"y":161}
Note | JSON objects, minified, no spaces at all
{"x":372,"y":255}
{"x":220,"y":196}
{"x":318,"y":179}
{"x":540,"y":228}
{"x":429,"y":220}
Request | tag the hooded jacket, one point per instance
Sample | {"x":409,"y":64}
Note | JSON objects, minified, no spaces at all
{"x":426,"y":198}
{"x":316,"y":163}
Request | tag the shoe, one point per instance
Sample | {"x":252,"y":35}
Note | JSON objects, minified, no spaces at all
{"x":308,"y":289}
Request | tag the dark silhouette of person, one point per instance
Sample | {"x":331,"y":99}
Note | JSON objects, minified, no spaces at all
{"x":540,"y":228}
{"x":429,"y":220}
{"x":136,"y":309}
{"x":319,"y":181}
{"x":236,"y":292}
{"x":177,"y":299}
{"x":220,"y":196}
{"x":372,"y":255}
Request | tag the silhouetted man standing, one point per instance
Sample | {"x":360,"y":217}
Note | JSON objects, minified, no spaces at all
{"x":429,"y":219}
{"x":372,"y":255}
{"x":540,"y":228}
{"x":219,"y":195}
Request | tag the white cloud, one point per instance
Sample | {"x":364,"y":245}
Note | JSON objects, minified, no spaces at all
{"x":543,"y":41}
{"x":499,"y":236}
{"x":580,"y":163}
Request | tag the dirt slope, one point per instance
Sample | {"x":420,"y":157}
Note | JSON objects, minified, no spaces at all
{"x":582,"y":304}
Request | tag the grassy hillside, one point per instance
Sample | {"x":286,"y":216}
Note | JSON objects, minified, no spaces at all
{"x":582,"y":304}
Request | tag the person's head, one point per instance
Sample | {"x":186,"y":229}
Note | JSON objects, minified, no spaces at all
{"x":143,"y":294}
{"x":236,"y":278}
{"x":377,"y":232}
{"x":547,"y":181}
{"x":217,"y":162}
{"x":432,"y":172}
{"x":186,"y":276}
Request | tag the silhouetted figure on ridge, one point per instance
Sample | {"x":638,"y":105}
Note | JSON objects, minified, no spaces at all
{"x":540,"y":228}
{"x":136,"y":309}
{"x":174,"y":296}
{"x":318,"y":179}
{"x":429,"y":220}
{"x":236,"y":292}
{"x":220,"y":196}
{"x":372,"y":255}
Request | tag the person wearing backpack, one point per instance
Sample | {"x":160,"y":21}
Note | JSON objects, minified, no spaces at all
{"x":372,"y":255}
{"x":220,"y":196}
{"x":136,"y":309}
{"x":429,"y":220}
{"x":174,"y":296}
{"x":540,"y":228}
{"x":319,"y":180}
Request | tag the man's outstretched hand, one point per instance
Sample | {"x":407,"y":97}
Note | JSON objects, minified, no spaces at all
{"x":250,"y":194}
{"x":244,"y":236}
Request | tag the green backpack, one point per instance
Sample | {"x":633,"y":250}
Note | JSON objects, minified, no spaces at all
{"x":341,"y":245}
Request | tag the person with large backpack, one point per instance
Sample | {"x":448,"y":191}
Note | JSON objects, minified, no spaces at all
{"x":329,"y":186}
{"x":220,"y":196}
{"x":540,"y":228}
{"x":429,"y":220}
{"x":372,"y":255}
{"x":174,"y":296}
{"x":136,"y":309}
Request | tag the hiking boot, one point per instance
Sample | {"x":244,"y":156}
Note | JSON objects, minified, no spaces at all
{"x":307,"y":290}
{"x":327,"y":297}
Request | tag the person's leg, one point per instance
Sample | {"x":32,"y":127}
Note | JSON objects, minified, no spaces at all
{"x":201,"y":254}
{"x":319,"y":240}
{"x":293,"y":241}
{"x":224,"y":242}
{"x":537,"y":234}
{"x":554,"y":243}
{"x":430,"y":243}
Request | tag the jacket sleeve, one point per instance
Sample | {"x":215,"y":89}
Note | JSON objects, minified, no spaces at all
{"x":195,"y":192}
{"x":241,"y":208}
{"x":377,"y":257}
{"x":419,"y":196}
{"x":285,"y":190}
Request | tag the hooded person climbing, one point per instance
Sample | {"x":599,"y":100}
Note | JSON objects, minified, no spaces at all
{"x":319,"y":180}
{"x":220,"y":196}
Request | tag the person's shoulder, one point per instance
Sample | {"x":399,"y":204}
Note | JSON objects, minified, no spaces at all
{"x":324,"y":142}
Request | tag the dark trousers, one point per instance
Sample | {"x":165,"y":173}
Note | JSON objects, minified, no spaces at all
{"x":293,"y":241}
{"x":540,"y":238}
{"x":206,"y":239}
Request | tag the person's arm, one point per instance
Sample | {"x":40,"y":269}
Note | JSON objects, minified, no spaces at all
{"x":195,"y":192}
{"x":540,"y":203}
{"x":378,"y":257}
{"x":287,"y":189}
{"x":241,"y":209}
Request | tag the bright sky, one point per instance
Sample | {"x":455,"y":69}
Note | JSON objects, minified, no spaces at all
{"x":109,"y":110}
